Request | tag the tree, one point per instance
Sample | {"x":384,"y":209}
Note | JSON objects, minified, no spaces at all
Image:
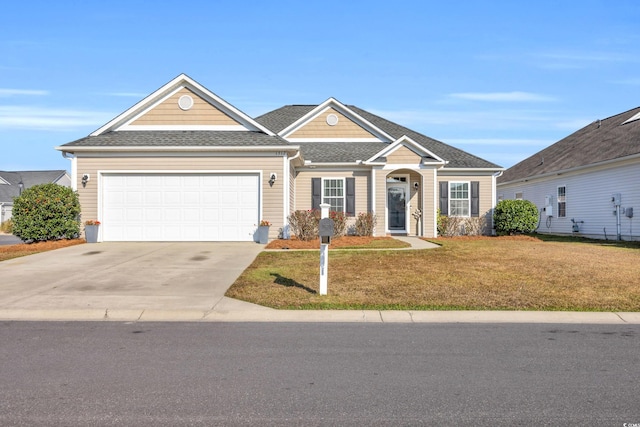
{"x":515,"y":216}
{"x":46,"y":212}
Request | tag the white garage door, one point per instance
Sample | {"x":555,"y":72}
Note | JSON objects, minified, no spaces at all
{"x":179,"y":207}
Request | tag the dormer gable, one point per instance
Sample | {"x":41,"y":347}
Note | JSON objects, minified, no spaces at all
{"x":183,"y":104}
{"x":333,"y":121}
{"x":405,"y":151}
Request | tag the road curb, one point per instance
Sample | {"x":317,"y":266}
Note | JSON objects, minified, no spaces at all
{"x":320,"y":316}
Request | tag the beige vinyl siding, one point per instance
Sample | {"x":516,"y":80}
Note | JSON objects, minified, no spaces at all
{"x":272,"y":203}
{"x":303,"y":189}
{"x":405,"y":156}
{"x":169,"y":113}
{"x":318,"y":128}
{"x":422,"y":199}
{"x":380,"y":179}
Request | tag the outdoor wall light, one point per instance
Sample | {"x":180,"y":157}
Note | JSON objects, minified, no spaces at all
{"x":85,"y":178}
{"x":272,"y":178}
{"x":416,"y":185}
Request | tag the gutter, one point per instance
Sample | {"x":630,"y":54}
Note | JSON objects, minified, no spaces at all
{"x":574,"y":169}
{"x":95,"y":149}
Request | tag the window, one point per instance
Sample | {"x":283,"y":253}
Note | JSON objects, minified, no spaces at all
{"x":459,"y":200}
{"x":339,"y":193}
{"x":519,"y":196}
{"x":333,"y":193}
{"x":562,"y":202}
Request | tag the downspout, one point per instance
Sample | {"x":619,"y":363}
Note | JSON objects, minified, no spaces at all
{"x":74,"y":169}
{"x":286,"y":229}
{"x":494,"y":179}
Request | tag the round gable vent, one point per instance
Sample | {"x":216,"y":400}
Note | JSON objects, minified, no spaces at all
{"x":185,"y":102}
{"x":332,"y":120}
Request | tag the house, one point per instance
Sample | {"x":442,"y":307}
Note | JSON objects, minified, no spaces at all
{"x":586,"y":184}
{"x":185,"y":165}
{"x":13,"y":183}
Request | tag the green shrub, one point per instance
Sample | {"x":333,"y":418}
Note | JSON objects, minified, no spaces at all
{"x":46,"y":212}
{"x":365,"y":224}
{"x":515,"y":216}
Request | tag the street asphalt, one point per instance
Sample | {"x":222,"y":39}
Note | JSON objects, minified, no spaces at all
{"x":186,"y":281}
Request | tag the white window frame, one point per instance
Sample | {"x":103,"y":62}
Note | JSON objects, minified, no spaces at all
{"x":562,"y":213}
{"x":467,"y":199}
{"x":327,"y":199}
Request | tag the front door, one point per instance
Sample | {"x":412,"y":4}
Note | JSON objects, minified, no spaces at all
{"x":397,"y":199}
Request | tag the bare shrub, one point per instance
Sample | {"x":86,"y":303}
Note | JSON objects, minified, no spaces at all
{"x":365,"y":224}
{"x":304,"y":224}
{"x":339,"y":223}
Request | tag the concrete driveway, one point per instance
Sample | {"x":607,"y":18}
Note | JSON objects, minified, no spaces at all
{"x":125,"y":277}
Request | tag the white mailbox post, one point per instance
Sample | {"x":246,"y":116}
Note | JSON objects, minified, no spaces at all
{"x":325,"y":230}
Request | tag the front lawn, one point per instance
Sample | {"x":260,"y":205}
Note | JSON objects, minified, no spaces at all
{"x":491,"y":273}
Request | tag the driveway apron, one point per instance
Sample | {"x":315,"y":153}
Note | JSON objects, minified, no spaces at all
{"x":125,"y":275}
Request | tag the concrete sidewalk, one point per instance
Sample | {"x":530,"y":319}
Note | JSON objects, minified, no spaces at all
{"x":231,"y":310}
{"x":173,"y":282}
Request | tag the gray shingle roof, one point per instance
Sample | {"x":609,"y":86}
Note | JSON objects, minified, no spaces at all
{"x":602,"y":140}
{"x":28,"y":179}
{"x":161,"y":138}
{"x":279,"y":119}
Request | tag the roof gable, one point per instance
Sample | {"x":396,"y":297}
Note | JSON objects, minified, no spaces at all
{"x":333,"y":121}
{"x":182,"y":104}
{"x":405,"y":150}
{"x":604,"y":140}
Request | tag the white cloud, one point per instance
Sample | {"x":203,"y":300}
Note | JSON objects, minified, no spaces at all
{"x":35,"y":118}
{"x":18,"y":92}
{"x":580,"y":60}
{"x":515,"y":96}
{"x":631,"y":81}
{"x":479,"y":119}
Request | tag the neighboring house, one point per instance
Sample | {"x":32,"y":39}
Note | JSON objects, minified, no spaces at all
{"x":12,"y":184}
{"x":185,"y":165}
{"x":587,"y":183}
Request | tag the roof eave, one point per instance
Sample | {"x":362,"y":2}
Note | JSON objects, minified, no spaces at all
{"x":570,"y":170}
{"x":93,"y":149}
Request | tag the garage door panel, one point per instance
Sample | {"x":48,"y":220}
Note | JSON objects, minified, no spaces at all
{"x":180,"y":207}
{"x":153,"y":215}
{"x":172,"y":197}
{"x":191,"y":198}
{"x":172,"y":214}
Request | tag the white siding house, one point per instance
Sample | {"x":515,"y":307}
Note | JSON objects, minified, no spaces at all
{"x":586,"y":184}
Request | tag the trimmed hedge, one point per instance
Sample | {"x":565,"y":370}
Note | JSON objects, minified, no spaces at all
{"x":46,"y":212}
{"x":515,"y":216}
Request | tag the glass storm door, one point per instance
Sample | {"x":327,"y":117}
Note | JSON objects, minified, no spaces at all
{"x":397,"y":207}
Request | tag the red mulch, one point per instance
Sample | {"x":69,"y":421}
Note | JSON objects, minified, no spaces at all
{"x":338,"y":242}
{"x":41,"y":246}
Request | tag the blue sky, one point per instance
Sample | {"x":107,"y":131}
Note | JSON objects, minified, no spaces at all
{"x":499,"y":79}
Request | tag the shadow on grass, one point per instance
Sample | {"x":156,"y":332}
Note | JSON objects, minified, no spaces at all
{"x":290,"y":283}
{"x":579,"y":239}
